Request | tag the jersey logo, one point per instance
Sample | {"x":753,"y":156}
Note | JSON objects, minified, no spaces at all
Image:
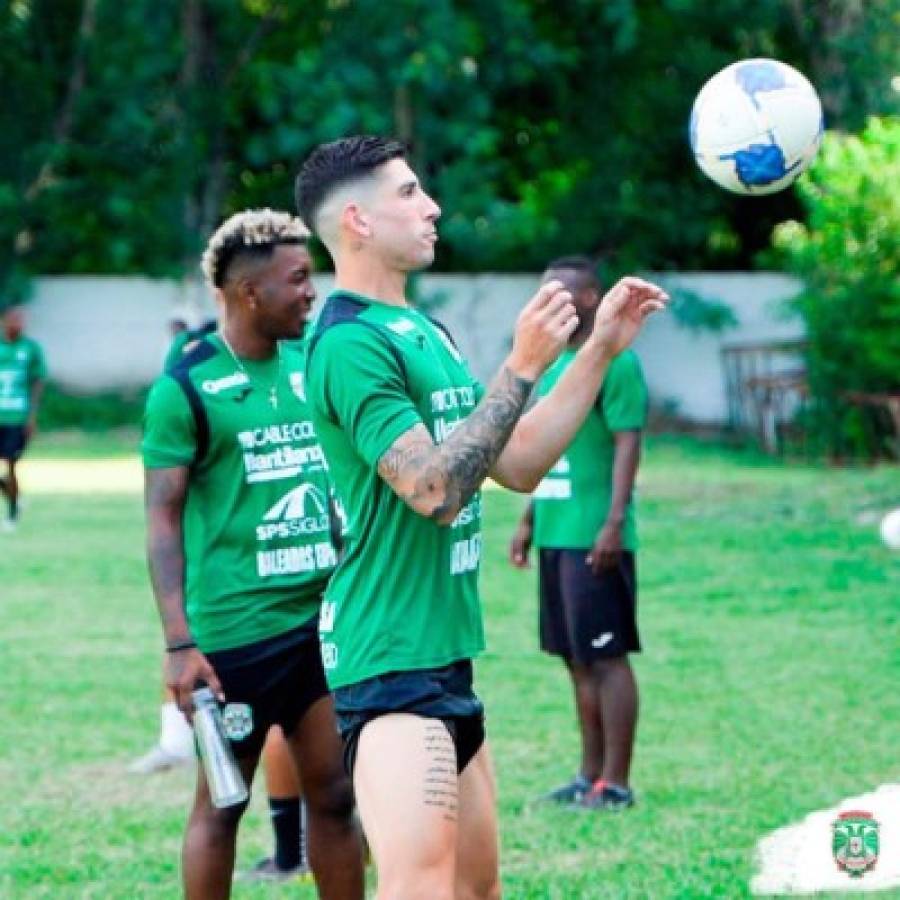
{"x":298,"y":386}
{"x":402,"y":326}
{"x":238,"y":721}
{"x":293,"y":505}
{"x":449,"y":345}
{"x":217,"y":385}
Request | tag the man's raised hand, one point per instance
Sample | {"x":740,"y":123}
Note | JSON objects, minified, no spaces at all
{"x":543,"y":328}
{"x":623,"y":310}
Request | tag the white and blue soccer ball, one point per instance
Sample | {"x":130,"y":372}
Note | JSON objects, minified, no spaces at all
{"x":755,"y":126}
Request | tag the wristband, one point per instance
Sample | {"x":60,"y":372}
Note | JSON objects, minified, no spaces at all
{"x":182,"y":645}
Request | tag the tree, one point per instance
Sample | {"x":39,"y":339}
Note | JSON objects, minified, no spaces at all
{"x":849,"y":258}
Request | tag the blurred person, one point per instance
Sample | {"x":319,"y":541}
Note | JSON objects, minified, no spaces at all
{"x":410,"y":435}
{"x":23,"y":372}
{"x":240,"y":548}
{"x":581,"y":520}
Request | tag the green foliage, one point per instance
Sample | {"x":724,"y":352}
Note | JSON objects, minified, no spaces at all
{"x":542,"y":127}
{"x":97,"y":412}
{"x":699,"y":313}
{"x":849,"y":258}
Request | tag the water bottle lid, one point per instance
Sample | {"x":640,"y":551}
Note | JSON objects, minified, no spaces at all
{"x":203,"y":695}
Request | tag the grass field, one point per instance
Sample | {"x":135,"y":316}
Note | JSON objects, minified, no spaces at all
{"x":769,"y":683}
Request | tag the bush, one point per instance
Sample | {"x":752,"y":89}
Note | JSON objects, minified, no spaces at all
{"x":96,"y":412}
{"x":849,"y":258}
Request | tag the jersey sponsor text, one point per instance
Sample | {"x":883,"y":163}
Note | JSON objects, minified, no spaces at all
{"x":294,"y":560}
{"x":465,"y":555}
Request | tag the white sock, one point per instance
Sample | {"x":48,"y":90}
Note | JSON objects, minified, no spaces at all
{"x":175,"y":736}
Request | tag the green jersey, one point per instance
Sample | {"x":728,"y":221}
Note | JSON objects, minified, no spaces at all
{"x":183,"y":341}
{"x":405,"y":593}
{"x":21,"y":365}
{"x":572,"y":501}
{"x":257,"y":539}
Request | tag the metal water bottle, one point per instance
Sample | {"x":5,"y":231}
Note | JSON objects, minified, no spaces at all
{"x":226,"y":783}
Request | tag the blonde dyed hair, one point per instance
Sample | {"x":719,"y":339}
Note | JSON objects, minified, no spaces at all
{"x":257,"y":231}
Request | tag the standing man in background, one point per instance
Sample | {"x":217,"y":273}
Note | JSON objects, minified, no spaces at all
{"x":581,"y":520}
{"x":23,"y":372}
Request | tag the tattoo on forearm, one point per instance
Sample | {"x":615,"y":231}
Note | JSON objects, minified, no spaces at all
{"x":448,"y":475}
{"x":440,"y":777}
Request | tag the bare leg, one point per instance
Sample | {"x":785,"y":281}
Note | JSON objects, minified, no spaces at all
{"x":207,"y":856}
{"x":587,"y":706}
{"x":335,"y":845}
{"x":282,"y":779}
{"x":477,"y":853}
{"x":618,"y":700}
{"x":407,"y":790}
{"x":10,"y":487}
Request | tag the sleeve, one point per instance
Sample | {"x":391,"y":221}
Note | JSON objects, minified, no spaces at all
{"x":38,"y":367}
{"x":355,"y":381}
{"x":170,"y":435}
{"x":624,"y":398}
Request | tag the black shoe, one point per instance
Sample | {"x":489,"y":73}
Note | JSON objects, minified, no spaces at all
{"x":572,"y":792}
{"x":604,"y":795}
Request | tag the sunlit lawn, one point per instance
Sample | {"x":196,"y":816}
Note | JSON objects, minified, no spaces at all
{"x":769,"y":616}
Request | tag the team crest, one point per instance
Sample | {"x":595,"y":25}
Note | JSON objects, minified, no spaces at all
{"x":855,"y":842}
{"x":237,"y":718}
{"x":297,"y":385}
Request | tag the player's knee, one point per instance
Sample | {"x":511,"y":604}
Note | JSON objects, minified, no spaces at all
{"x":218,"y":822}
{"x":332,"y":798}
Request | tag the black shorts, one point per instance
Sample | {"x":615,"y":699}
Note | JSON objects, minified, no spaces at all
{"x":444,"y":694}
{"x":270,"y":682}
{"x":13,"y":440}
{"x":583,"y":616}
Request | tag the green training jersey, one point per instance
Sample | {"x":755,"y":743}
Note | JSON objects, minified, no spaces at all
{"x":257,"y":542}
{"x":184,"y":341}
{"x":405,"y":593}
{"x":572,"y":501}
{"x":21,"y":365}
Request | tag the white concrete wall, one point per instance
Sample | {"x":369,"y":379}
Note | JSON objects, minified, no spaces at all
{"x":111,"y":333}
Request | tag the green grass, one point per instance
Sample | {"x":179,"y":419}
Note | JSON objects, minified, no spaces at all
{"x":768,"y":687}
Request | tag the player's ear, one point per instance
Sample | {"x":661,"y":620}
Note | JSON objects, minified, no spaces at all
{"x":247,"y":292}
{"x":356,"y":221}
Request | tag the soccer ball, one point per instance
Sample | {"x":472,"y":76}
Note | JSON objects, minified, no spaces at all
{"x":755,"y":126}
{"x":890,"y":530}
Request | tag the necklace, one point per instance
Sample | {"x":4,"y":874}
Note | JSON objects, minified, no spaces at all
{"x":273,"y":388}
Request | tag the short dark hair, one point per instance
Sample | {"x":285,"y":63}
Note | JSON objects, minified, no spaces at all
{"x":332,"y":165}
{"x":577,"y":263}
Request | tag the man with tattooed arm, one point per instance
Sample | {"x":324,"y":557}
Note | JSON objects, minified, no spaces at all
{"x":410,"y":436}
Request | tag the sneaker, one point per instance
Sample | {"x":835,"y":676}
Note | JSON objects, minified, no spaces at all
{"x":573,"y":792}
{"x":604,"y":795}
{"x":267,"y":870}
{"x":159,"y":760}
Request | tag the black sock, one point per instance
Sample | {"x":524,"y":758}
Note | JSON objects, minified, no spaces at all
{"x":287,"y":823}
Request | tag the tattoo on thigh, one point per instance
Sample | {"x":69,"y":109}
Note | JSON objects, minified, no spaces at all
{"x":440,"y":778}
